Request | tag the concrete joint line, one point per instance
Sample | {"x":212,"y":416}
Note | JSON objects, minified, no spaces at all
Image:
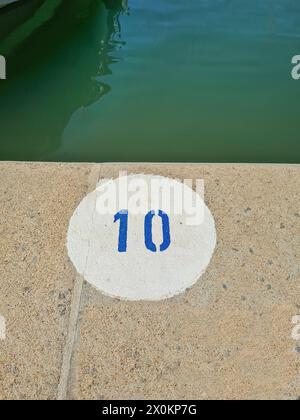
{"x":72,"y":334}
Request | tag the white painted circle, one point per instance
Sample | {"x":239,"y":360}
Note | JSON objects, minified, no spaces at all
{"x":138,"y":273}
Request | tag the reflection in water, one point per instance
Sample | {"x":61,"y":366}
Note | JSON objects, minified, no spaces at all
{"x":110,"y":41}
{"x":60,"y":79}
{"x":14,"y":16}
{"x":201,"y":81}
{"x":22,"y":19}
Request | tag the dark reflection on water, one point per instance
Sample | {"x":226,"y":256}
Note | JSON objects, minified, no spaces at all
{"x":110,"y":40}
{"x":49,"y":79}
{"x":163,"y":80}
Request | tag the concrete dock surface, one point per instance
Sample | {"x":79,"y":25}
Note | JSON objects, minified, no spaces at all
{"x":227,"y":337}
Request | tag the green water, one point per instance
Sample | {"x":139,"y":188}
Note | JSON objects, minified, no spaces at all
{"x":159,"y":80}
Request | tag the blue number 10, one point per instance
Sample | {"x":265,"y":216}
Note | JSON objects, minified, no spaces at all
{"x":123,"y":217}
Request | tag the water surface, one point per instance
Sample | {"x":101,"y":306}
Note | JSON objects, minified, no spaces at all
{"x":153,"y":80}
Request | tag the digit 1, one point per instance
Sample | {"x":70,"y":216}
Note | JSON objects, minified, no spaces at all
{"x":148,"y":231}
{"x":123,"y":217}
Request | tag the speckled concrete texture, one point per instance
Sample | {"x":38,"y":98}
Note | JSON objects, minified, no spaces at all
{"x":228,"y":337}
{"x":36,"y":278}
